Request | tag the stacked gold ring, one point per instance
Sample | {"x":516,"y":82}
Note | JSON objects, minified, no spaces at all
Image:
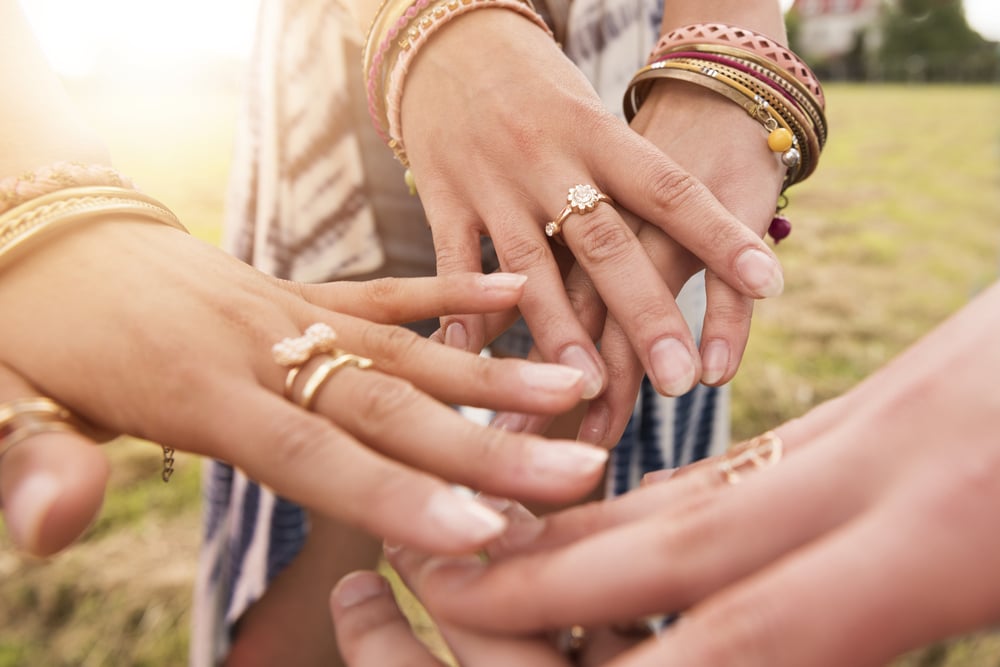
{"x":294,"y":353}
{"x":22,"y":418}
{"x":758,"y":453}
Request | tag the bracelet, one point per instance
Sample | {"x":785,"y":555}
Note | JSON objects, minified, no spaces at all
{"x":49,"y":213}
{"x":722,"y":38}
{"x":785,"y":136}
{"x":15,"y":190}
{"x":417,"y":36}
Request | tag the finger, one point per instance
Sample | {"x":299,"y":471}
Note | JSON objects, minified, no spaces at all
{"x":502,"y":384}
{"x":402,"y":300}
{"x":380,"y":411}
{"x":468,"y":646}
{"x":732,"y":535}
{"x":827,"y":604}
{"x":545,"y":306}
{"x":308,"y":460}
{"x":456,"y":250}
{"x":608,"y":414}
{"x":726,"y":330}
{"x":51,"y":483}
{"x":666,"y":195}
{"x":591,"y":312}
{"x":371,"y":630}
{"x":643,"y":305}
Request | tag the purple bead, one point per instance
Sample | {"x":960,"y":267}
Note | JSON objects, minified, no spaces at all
{"x":780,"y":228}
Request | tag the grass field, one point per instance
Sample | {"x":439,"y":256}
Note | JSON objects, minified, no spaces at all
{"x":898,"y":228}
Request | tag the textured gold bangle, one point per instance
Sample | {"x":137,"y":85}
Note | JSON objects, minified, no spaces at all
{"x":50,"y":213}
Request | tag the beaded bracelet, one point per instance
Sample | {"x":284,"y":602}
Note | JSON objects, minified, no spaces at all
{"x":51,"y":212}
{"x":417,"y":36}
{"x":15,"y":190}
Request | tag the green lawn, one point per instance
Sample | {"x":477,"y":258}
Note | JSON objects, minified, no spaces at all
{"x":898,"y":228}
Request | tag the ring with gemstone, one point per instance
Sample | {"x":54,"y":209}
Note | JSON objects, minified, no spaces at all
{"x":317,"y":339}
{"x":582,"y":199}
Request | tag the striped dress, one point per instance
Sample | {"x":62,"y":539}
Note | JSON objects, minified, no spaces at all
{"x":314,"y":196}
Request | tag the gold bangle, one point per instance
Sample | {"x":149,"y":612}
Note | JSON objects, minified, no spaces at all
{"x":53,"y":212}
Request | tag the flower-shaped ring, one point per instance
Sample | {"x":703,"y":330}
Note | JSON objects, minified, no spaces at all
{"x":582,"y":199}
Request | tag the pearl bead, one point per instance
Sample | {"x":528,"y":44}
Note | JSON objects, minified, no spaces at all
{"x":791,"y":157}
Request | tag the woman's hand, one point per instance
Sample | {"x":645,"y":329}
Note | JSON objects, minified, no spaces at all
{"x":875,"y":534}
{"x":140,"y":329}
{"x":498,"y":125}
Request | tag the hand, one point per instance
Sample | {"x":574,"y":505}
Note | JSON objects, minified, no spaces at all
{"x":881,"y":509}
{"x":724,"y":149}
{"x":140,"y":329}
{"x":546,"y":130}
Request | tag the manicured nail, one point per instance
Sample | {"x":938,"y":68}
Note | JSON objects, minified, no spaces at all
{"x":460,"y":516}
{"x":673,"y":368}
{"x":508,"y":282}
{"x":760,"y":272}
{"x":567,"y":458}
{"x":714,"y":361}
{"x":456,"y":336}
{"x":595,"y":424}
{"x":514,"y":422}
{"x":550,"y":377}
{"x":593,"y":379}
{"x":357,"y":587}
{"x":26,"y":508}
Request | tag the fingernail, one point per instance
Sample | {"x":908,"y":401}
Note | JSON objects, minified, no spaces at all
{"x":567,"y":458}
{"x":456,"y":336}
{"x":357,"y":587}
{"x":714,"y":361}
{"x":27,"y":507}
{"x":550,"y":377}
{"x":507,"y":282}
{"x":760,"y":272}
{"x":462,"y":517}
{"x":577,"y":357}
{"x":495,"y":503}
{"x":514,"y":422}
{"x":595,"y":424}
{"x":673,"y":368}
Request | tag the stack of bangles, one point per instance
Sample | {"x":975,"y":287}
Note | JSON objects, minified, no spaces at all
{"x":767,"y":80}
{"x":36,"y":206}
{"x":397,"y":33}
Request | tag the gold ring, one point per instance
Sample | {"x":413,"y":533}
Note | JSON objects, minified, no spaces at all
{"x":582,"y":199}
{"x":324,"y":372}
{"x":22,"y":418}
{"x":757,"y":453}
{"x":317,"y":339}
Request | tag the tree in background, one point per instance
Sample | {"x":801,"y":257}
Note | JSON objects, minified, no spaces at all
{"x":930,"y":40}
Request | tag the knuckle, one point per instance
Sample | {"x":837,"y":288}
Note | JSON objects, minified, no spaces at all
{"x":602,"y":240}
{"x":389,"y":345}
{"x":382,"y":291}
{"x":525,"y":253}
{"x":382,"y":399}
{"x":299,"y":440}
{"x":674,"y":188}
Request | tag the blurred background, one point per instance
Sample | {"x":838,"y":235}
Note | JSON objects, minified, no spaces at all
{"x":899,"y":227}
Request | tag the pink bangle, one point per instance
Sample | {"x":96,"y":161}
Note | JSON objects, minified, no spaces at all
{"x":374,"y":78}
{"x":417,"y":36}
{"x":15,"y":190}
{"x":741,"y":39}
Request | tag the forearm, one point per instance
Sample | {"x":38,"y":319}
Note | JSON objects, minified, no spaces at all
{"x":763,"y":16}
{"x":40,"y":124}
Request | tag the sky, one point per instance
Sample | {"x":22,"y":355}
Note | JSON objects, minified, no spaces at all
{"x":76,"y":34}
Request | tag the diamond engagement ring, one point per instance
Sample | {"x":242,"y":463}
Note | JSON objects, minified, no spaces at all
{"x":582,"y":199}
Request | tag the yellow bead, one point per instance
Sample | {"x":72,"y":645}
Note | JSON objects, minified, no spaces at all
{"x":779,"y":140}
{"x":411,"y":182}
